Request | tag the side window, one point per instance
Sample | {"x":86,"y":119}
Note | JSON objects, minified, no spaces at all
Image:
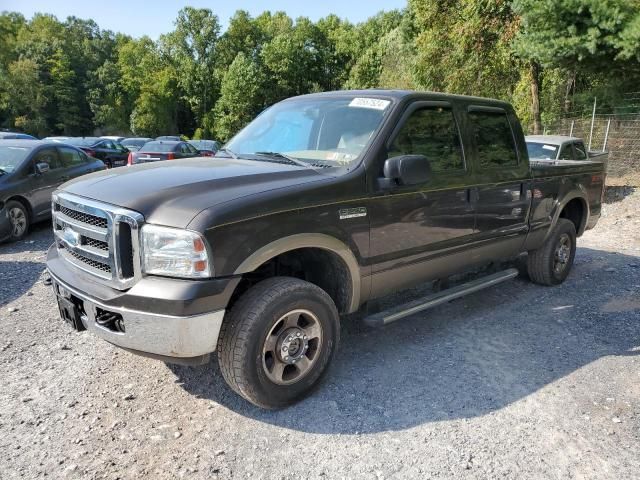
{"x":566,"y":153}
{"x":494,"y":139}
{"x":184,"y":148}
{"x":48,"y":156}
{"x":107,"y":144}
{"x":70,"y":157}
{"x":432,"y":132}
{"x":581,"y":152}
{"x":191,"y":148}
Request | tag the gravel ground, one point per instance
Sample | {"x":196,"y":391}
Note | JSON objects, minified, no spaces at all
{"x":518,"y":381}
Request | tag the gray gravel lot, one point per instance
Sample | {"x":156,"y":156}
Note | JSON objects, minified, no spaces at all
{"x":518,"y":381}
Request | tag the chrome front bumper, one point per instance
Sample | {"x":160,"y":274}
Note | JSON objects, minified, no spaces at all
{"x":155,"y":334}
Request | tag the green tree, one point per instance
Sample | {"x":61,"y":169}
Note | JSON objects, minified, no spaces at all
{"x":191,"y":50}
{"x":240,"y":99}
{"x":27,"y":96}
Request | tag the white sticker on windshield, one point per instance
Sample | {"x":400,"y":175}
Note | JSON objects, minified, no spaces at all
{"x":375,"y":103}
{"x":548,"y":147}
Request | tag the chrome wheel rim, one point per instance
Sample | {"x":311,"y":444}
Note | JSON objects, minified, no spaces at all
{"x":18,"y":221}
{"x":562,"y":254}
{"x":292,"y":347}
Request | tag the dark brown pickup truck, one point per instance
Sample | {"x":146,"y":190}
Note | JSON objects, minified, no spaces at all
{"x":323,"y":203}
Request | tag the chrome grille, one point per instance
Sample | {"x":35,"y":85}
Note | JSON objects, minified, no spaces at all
{"x":92,"y":242}
{"x":98,"y":238}
{"x":84,"y":217}
{"x":91,"y":263}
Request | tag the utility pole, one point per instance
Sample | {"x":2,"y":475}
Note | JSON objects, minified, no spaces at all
{"x":593,"y":119}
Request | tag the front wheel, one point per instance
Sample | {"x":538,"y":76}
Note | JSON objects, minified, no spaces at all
{"x":277,"y":341}
{"x":551,"y":263}
{"x":19,"y":218}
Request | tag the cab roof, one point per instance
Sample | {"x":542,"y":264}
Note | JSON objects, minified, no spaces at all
{"x":405,"y":94}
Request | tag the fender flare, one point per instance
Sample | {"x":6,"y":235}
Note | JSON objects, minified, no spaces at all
{"x":308,"y":240}
{"x":580,"y":194}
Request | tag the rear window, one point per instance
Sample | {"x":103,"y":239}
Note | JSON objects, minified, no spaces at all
{"x":82,"y":142}
{"x":160,"y":147}
{"x":494,"y":139}
{"x":138,"y":142}
{"x":542,"y":151}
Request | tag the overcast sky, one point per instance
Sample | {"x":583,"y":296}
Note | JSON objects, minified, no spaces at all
{"x":137,"y":17}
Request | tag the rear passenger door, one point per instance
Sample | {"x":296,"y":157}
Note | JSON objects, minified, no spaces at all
{"x":503,"y":178}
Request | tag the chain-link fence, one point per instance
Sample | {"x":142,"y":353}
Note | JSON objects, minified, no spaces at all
{"x":619,"y":134}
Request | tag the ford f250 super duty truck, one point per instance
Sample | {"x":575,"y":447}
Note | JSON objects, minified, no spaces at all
{"x":322,"y":203}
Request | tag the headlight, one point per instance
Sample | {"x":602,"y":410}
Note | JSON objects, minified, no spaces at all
{"x":173,"y":252}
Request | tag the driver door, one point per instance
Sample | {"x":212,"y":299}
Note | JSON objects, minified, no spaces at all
{"x":45,"y":183}
{"x":418,"y":231}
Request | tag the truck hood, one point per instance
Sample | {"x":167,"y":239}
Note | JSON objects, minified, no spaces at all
{"x":172,"y":193}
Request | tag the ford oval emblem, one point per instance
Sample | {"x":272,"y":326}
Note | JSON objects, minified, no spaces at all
{"x":71,"y":236}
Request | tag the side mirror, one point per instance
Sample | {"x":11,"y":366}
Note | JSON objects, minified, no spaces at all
{"x":406,"y":170}
{"x":42,"y":167}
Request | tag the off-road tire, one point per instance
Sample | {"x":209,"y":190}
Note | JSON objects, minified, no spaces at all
{"x":248,"y":323}
{"x":541,"y":262}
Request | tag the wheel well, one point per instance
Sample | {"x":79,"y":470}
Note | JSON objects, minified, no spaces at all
{"x":315,"y":265}
{"x":24,"y":203}
{"x":576,"y":212}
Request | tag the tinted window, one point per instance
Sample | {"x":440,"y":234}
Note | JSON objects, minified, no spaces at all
{"x":48,"y":156}
{"x":581,"y":152}
{"x":494,"y":139}
{"x":70,"y":157}
{"x":566,"y":153}
{"x":431,"y":132}
{"x":184,"y":148}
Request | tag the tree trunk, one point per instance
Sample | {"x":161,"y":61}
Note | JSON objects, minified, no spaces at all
{"x":535,"y":97}
{"x":571,"y":85}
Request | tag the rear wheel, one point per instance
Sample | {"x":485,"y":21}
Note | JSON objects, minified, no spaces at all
{"x":19,"y":218}
{"x":277,"y":341}
{"x":552,"y":262}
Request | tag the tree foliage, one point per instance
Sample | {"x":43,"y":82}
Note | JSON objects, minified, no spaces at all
{"x":548,"y":57}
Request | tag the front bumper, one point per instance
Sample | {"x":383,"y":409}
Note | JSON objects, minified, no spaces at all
{"x":162,"y":317}
{"x":5,"y":223}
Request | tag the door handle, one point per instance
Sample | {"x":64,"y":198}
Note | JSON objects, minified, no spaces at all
{"x":473,"y":195}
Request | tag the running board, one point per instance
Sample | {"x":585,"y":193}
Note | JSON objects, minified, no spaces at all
{"x":396,"y":313}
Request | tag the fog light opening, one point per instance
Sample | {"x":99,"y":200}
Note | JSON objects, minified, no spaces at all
{"x":110,"y":320}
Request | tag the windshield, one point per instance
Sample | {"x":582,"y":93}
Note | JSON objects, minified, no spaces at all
{"x":542,"y":151}
{"x":82,"y":142}
{"x":159,"y":147}
{"x":334,"y":131}
{"x":12,"y":157}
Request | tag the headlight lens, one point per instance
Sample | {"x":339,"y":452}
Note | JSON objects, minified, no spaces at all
{"x":173,"y":252}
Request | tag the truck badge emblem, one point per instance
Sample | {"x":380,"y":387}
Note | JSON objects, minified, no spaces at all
{"x":71,"y":237}
{"x":352,"y":212}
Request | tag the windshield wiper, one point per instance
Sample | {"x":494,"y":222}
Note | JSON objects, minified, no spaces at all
{"x":284,"y":157}
{"x":228,"y":152}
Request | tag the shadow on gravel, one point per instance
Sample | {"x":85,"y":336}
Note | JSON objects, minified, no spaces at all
{"x":18,"y":276}
{"x":613,"y":194}
{"x":468,"y":358}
